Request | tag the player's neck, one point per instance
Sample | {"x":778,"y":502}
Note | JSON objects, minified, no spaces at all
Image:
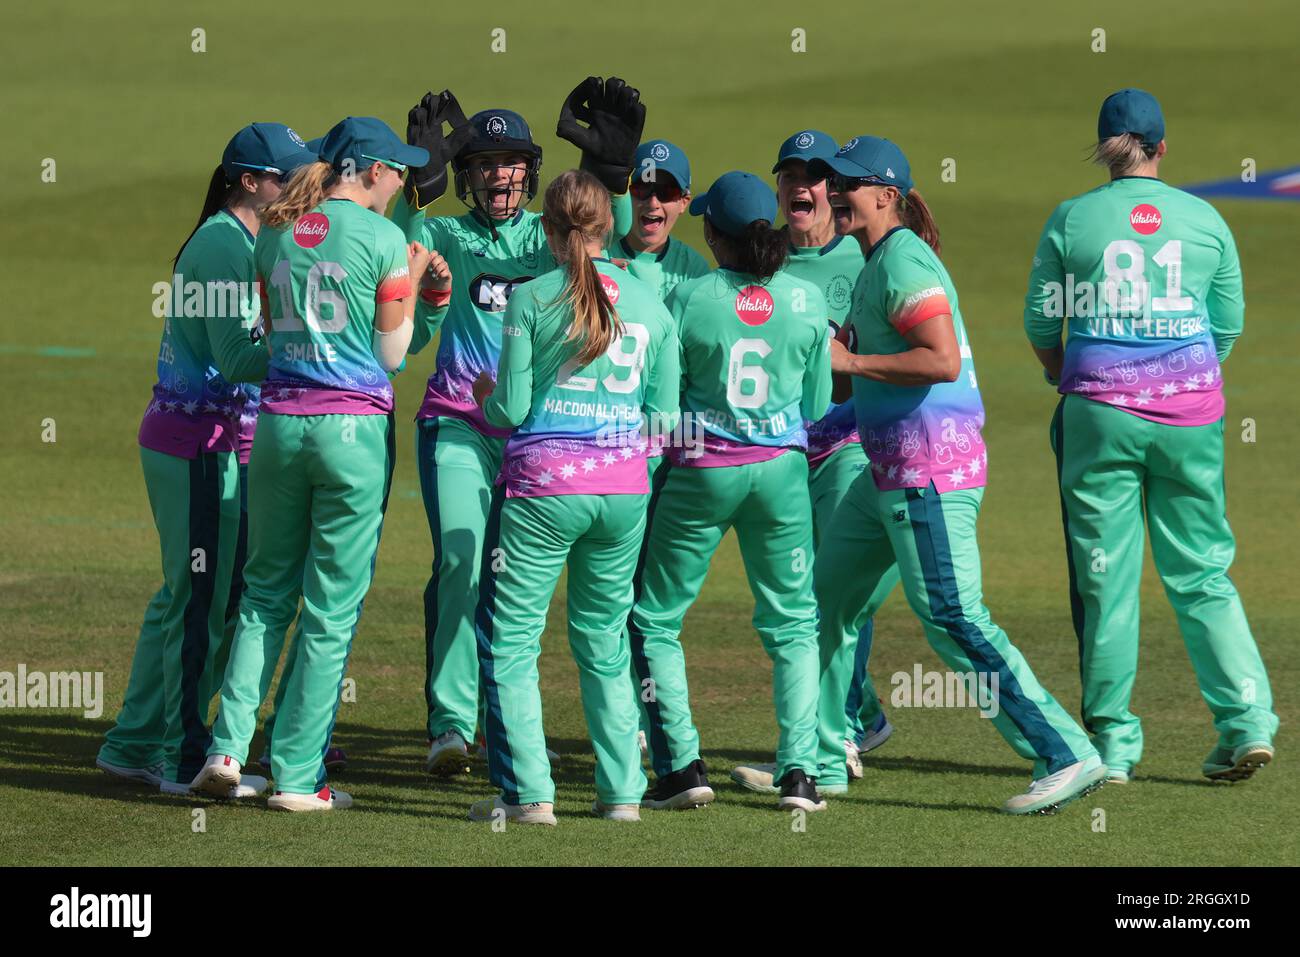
{"x":820,"y":235}
{"x":353,"y":191}
{"x":247,"y":216}
{"x":1150,"y":169}
{"x":636,"y":245}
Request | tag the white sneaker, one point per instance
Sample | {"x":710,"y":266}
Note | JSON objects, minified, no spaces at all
{"x":1118,"y":776}
{"x":249,"y":786}
{"x":152,"y":775}
{"x":326,"y":799}
{"x":448,"y":755}
{"x":756,"y":777}
{"x":1049,"y":794}
{"x":539,"y":812}
{"x":853,"y":761}
{"x":218,"y":777}
{"x":616,"y":812}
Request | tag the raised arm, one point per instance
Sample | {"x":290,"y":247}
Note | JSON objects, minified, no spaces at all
{"x":511,"y":399}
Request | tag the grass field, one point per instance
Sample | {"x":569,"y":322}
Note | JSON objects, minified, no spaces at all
{"x":135,"y":121}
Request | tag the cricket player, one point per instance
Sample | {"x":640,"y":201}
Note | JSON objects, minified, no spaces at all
{"x":337,"y":280}
{"x":587,"y":350}
{"x":755,"y":372}
{"x":920,"y":416}
{"x":835,"y":456}
{"x":491,"y":250}
{"x":1145,"y":282}
{"x":661,"y":191}
{"x":189,"y":439}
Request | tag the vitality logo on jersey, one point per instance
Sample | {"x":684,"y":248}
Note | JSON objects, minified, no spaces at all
{"x":1145,"y":218}
{"x":311,"y":230}
{"x":491,"y":293}
{"x":611,"y":289}
{"x":754,"y":305}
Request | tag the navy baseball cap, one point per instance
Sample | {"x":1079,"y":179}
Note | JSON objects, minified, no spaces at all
{"x":265,"y":148}
{"x":871,"y":158}
{"x":657,"y":155}
{"x":365,"y":140}
{"x":1131,"y":111}
{"x":734,"y":201}
{"x":806,"y":145}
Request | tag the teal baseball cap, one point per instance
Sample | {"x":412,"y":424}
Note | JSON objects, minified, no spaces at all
{"x":806,"y":145}
{"x":365,"y":140}
{"x":652,"y":156}
{"x":734,"y":201}
{"x":265,"y":148}
{"x":870,"y":158}
{"x":1131,"y":111}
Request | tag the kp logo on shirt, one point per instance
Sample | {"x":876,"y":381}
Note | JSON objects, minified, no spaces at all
{"x":311,"y":230}
{"x":754,"y":305}
{"x":611,"y":288}
{"x":1145,"y":218}
{"x":491,"y":293}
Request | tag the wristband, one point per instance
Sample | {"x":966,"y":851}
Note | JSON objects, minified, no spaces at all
{"x":436,"y":297}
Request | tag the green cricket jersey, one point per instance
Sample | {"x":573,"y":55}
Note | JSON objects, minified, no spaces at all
{"x":755,"y":364}
{"x":198,"y":403}
{"x":578,"y":429}
{"x":322,"y":279}
{"x":664,"y":269}
{"x":1146,"y":280}
{"x":833,"y":268}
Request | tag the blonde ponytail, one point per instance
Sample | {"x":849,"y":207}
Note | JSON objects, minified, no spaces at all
{"x":305,"y":190}
{"x":577,"y":205}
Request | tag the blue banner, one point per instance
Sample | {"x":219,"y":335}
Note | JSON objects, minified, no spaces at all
{"x":1279,"y":184}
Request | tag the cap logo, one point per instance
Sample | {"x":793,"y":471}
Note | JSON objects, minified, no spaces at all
{"x":1145,"y":219}
{"x":611,"y":289}
{"x":848,"y":146}
{"x":311,"y":230}
{"x":804,"y":140}
{"x":659,"y":152}
{"x":297,"y":140}
{"x":754,"y":305}
{"x":889,"y":171}
{"x":496,"y":126}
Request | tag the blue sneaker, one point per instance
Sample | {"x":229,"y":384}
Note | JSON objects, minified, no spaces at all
{"x":874,"y":736}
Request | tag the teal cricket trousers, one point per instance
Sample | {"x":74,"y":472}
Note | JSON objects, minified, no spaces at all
{"x":527,"y":543}
{"x":1120,"y":475}
{"x":316,"y":489}
{"x":828,"y":483}
{"x":180,"y":653}
{"x":774,"y":528}
{"x":291,"y":658}
{"x":458,"y":466}
{"x":931,"y":538}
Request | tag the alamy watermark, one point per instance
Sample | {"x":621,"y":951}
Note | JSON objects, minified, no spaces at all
{"x":946,"y":689}
{"x":55,"y":689}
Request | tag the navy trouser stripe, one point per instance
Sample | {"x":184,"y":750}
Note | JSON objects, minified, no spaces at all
{"x":930,"y":531}
{"x":501,"y":765}
{"x":660,"y":754}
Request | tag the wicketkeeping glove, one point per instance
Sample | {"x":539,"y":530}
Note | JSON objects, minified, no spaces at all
{"x":424,"y":123}
{"x":615,"y":117}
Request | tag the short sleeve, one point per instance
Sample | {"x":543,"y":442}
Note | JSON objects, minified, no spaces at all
{"x":913,"y":292}
{"x":391,"y":264}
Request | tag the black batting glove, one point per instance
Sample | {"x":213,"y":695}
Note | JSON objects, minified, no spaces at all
{"x":424,"y":124}
{"x":615,"y":117}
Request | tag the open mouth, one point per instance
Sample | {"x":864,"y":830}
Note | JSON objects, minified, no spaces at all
{"x":652,"y":222}
{"x":841,"y":214}
{"x":802,"y":207}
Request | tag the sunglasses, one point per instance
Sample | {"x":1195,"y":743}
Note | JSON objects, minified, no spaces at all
{"x":665,"y":192}
{"x":391,"y":164}
{"x":838,"y":183}
{"x":270,"y":170}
